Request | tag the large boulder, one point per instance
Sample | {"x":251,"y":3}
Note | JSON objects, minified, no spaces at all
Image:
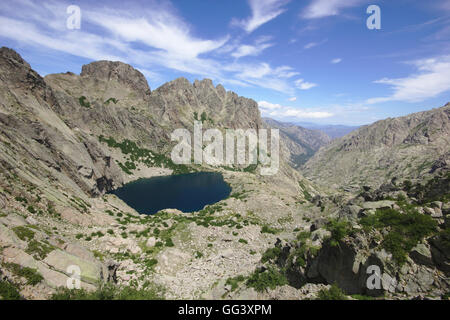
{"x":421,"y":254}
{"x":383,"y":204}
{"x":91,"y":272}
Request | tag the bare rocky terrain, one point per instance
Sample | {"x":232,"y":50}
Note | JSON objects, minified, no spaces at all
{"x":67,"y":140}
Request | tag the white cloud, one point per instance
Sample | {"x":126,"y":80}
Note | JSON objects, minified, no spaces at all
{"x":303,"y":85}
{"x":278,"y":111}
{"x":431,"y":80}
{"x":252,"y":50}
{"x":160,"y":40}
{"x":326,"y":8}
{"x":311,"y":45}
{"x":264,"y":76}
{"x":336,"y":61}
{"x":293,"y":99}
{"x":262,"y":12}
{"x":160,"y":29}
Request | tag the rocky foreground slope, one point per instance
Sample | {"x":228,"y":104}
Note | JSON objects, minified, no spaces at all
{"x":67,"y":139}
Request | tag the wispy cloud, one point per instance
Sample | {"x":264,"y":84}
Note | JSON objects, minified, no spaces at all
{"x":311,"y":45}
{"x":263,"y":11}
{"x":293,"y":99}
{"x":160,"y":29}
{"x":431,"y":79}
{"x":252,"y":50}
{"x":303,"y":85}
{"x":325,"y":8}
{"x":151,"y":37}
{"x":278,"y":111}
{"x":336,"y":61}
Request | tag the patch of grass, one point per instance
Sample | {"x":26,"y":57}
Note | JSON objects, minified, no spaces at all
{"x":39,"y":249}
{"x":303,"y":236}
{"x":271,"y":254}
{"x":243,"y":241}
{"x":267,"y":229}
{"x":23,"y":233}
{"x":234,"y":282}
{"x":151,"y":263}
{"x":83,"y":102}
{"x":111,"y":292}
{"x":405,"y":230}
{"x":169,"y":242}
{"x":8,"y":291}
{"x":306,"y":194}
{"x":21,"y":199}
{"x":113,"y":100}
{"x":31,"y":209}
{"x":334,"y":293}
{"x":239,"y":195}
{"x":31,"y":275}
{"x":339,"y":230}
{"x":361,"y":297}
{"x":262,"y":280}
{"x":142,"y":155}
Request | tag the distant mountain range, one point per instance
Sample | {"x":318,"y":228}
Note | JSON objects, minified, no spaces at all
{"x":333,"y":130}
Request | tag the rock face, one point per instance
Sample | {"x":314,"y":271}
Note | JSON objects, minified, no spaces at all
{"x":298,"y":144}
{"x":408,"y":147}
{"x":119,"y":72}
{"x":178,"y":103}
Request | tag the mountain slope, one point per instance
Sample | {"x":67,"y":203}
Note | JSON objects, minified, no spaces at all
{"x":298,"y":144}
{"x":413,"y":146}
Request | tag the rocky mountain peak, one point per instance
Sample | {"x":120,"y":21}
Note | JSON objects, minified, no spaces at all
{"x":118,"y":71}
{"x":10,"y":54}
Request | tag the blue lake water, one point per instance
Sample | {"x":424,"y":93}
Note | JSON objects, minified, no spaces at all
{"x":185,"y":192}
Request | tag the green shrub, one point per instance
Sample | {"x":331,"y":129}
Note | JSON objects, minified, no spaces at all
{"x":113,"y":100}
{"x":8,"y":291}
{"x":39,"y":249}
{"x":334,"y":293}
{"x":243,"y":241}
{"x":234,"y":282}
{"x":151,"y":263}
{"x":405,"y":230}
{"x":267,"y":279}
{"x":303,"y":236}
{"x":83,"y":102}
{"x":267,"y":229}
{"x":31,"y":209}
{"x":110,"y":292}
{"x":21,"y":199}
{"x":32,"y":276}
{"x":169,"y":242}
{"x":339,"y":230}
{"x":23,"y":233}
{"x":271,"y":254}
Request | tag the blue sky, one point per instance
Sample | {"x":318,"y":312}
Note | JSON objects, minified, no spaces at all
{"x":301,"y":60}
